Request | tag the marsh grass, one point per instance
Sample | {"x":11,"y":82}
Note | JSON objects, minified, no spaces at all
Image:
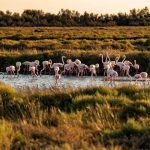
{"x":21,"y":44}
{"x":94,"y":117}
{"x":130,"y":133}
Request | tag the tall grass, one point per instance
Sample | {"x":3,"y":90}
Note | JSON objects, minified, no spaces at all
{"x":74,"y":119}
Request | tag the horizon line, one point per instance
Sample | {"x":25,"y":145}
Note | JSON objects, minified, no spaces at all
{"x":89,"y":12}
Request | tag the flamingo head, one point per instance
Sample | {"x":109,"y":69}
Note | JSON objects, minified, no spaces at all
{"x":117,"y":58}
{"x":69,"y":61}
{"x":77,"y":61}
{"x":134,"y":61}
{"x":50,"y":61}
{"x":124,"y":56}
{"x":56,"y":69}
{"x":96,"y":65}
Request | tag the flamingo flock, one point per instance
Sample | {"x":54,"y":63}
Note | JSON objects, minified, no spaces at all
{"x":78,"y":68}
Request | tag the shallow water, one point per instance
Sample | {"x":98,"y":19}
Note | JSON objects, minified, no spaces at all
{"x":47,"y":81}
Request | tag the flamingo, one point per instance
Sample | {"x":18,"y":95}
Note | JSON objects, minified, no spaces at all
{"x":112,"y":63}
{"x":58,"y":64}
{"x":32,"y":69}
{"x":45,"y":65}
{"x":93,"y":68}
{"x":71,"y":66}
{"x":11,"y":70}
{"x":139,"y":76}
{"x":97,"y":68}
{"x":136,"y":66}
{"x":57,"y":75}
{"x":120,"y":64}
{"x":81,"y":69}
{"x":126,"y":70}
{"x":31,"y":64}
{"x":106,"y":64}
{"x":35,"y":64}
{"x":18,"y":65}
{"x":27,"y":64}
{"x":74,"y":66}
{"x":111,"y":75}
{"x":127,"y":62}
{"x":67,"y":69}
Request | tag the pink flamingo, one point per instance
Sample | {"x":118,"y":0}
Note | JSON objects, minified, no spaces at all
{"x":142,"y":75}
{"x":81,"y":69}
{"x":58,"y":64}
{"x":11,"y":70}
{"x":93,"y":68}
{"x":57,"y":75}
{"x":45,"y":65}
{"x":32,"y":69}
{"x":136,"y":66}
{"x":121,"y":63}
{"x":111,"y":75}
{"x":18,"y":65}
{"x":106,"y":64}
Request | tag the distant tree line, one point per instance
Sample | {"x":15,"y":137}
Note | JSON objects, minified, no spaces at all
{"x":67,"y":17}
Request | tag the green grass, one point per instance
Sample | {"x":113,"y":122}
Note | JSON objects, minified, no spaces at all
{"x":94,"y":117}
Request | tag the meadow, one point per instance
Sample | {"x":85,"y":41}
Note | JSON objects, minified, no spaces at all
{"x":66,"y":118}
{"x":84,"y":43}
{"x":87,"y":118}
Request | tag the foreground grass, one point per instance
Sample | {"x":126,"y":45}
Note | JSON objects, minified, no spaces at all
{"x":96,"y":117}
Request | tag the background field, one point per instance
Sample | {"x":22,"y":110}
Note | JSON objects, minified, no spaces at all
{"x":85,"y":43}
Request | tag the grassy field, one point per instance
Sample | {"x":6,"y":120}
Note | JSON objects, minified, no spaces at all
{"x":77,"y":38}
{"x":89,"y":118}
{"x":85,"y":43}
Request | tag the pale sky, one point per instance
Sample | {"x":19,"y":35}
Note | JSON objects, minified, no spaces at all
{"x":53,"y":6}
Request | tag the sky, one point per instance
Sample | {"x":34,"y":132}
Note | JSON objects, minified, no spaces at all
{"x":95,"y":6}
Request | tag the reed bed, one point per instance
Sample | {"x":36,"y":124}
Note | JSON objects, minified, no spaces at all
{"x":93,"y":117}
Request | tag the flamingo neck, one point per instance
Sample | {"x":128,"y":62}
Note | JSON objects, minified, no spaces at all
{"x":50,"y":62}
{"x":102,"y":59}
{"x":108,"y":57}
{"x":124,"y":59}
{"x":62,"y":58}
{"x":117,"y":59}
{"x":134,"y":62}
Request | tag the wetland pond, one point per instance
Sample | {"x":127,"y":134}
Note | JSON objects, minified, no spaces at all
{"x":47,"y":81}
